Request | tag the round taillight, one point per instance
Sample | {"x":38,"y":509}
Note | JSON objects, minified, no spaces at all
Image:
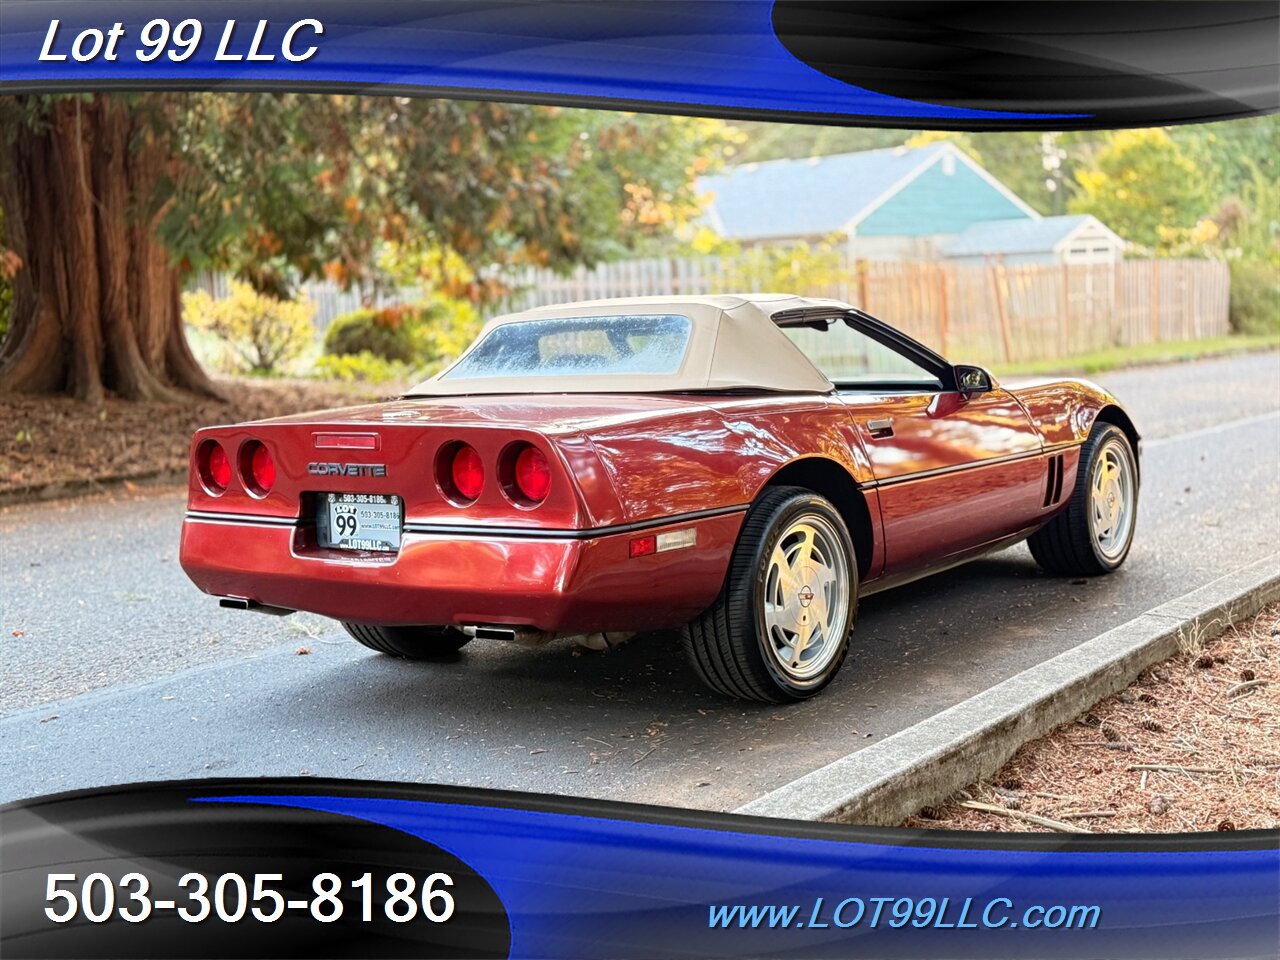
{"x":257,"y":468}
{"x":466,"y":471}
{"x":214,"y":466}
{"x":532,"y":474}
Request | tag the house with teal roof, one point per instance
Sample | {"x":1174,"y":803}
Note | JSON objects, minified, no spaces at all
{"x":924,"y":203}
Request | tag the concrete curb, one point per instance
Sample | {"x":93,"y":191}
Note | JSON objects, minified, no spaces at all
{"x":66,"y":489}
{"x":885,"y":783}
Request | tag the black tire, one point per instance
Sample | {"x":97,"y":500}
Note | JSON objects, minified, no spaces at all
{"x":726,"y":645}
{"x":409,"y":643}
{"x":1065,"y":545}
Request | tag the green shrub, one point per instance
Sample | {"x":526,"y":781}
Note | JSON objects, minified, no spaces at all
{"x":261,"y":332}
{"x":1255,"y":296}
{"x":415,"y":335}
{"x":362,"y":367}
{"x":387,"y":333}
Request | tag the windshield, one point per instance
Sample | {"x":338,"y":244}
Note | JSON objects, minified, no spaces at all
{"x":579,"y":346}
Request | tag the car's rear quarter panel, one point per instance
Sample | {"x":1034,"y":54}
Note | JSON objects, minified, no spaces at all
{"x":722,"y":453}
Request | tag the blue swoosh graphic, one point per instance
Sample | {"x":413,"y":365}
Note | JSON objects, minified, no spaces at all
{"x":693,"y":54}
{"x":578,"y":886}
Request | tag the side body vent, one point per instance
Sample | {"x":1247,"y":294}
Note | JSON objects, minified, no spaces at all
{"x":1053,"y":483}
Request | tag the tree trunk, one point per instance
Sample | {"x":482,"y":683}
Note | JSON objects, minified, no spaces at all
{"x":96,"y":302}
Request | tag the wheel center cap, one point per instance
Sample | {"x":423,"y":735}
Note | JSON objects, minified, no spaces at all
{"x":806,"y":595}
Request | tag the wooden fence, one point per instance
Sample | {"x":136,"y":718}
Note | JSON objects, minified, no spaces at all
{"x":990,"y":313}
{"x":982,"y":314}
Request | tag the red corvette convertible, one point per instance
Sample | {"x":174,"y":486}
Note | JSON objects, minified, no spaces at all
{"x":744,"y":468}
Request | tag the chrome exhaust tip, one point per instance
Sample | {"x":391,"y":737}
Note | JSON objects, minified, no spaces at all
{"x":525,"y":636}
{"x":243,"y":603}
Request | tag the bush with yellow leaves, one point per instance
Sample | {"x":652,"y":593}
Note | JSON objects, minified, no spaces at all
{"x":261,"y":332}
{"x":364,"y":367}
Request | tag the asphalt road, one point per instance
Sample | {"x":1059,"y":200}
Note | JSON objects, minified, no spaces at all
{"x":114,"y":668}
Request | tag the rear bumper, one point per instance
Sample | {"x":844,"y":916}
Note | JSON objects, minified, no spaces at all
{"x":579,"y":584}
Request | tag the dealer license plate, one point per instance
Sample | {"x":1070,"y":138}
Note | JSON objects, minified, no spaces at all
{"x":359,"y":521}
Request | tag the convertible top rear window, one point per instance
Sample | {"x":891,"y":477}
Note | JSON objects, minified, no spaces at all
{"x":579,"y":346}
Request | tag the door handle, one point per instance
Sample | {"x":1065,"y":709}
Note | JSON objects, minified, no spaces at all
{"x":880,"y":428}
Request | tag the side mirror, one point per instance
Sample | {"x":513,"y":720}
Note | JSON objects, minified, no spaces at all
{"x":972,"y":379}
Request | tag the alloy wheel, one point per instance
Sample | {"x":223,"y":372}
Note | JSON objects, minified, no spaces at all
{"x":806,"y":598}
{"x":1112,"y":498}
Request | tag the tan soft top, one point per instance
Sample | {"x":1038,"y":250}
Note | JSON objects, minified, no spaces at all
{"x":733,"y":344}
